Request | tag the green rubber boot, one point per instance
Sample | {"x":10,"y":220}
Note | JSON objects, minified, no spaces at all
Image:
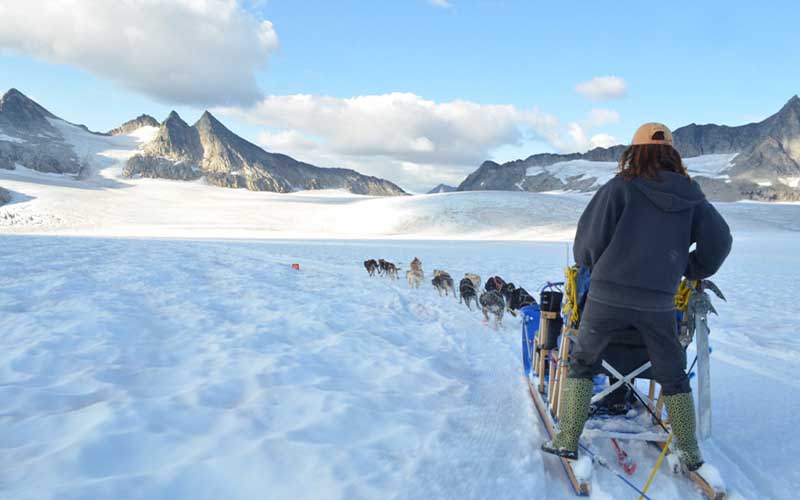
{"x":575,"y":411}
{"x":680,"y":409}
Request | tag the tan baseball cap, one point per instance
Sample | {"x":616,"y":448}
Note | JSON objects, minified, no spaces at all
{"x":645,"y":134}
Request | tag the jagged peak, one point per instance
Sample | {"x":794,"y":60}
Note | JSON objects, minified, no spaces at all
{"x":12,"y":92}
{"x":793,"y":103}
{"x":788,"y":114}
{"x":208,"y":118}
{"x":144,"y":117}
{"x":16,"y":99}
{"x":143,"y":120}
{"x":208,"y":124}
{"x":174,"y":118}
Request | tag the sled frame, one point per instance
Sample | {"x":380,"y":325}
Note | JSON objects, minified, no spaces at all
{"x":546,"y":382}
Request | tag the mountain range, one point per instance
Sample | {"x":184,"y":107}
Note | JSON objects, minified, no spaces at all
{"x":33,"y":137}
{"x":759,"y":161}
{"x":208,"y":149}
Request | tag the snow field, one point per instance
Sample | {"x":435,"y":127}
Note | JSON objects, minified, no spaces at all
{"x":144,"y":369}
{"x":209,"y":369}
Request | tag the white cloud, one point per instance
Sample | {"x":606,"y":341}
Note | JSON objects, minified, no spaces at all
{"x":445,"y":4}
{"x":602,"y":141}
{"x":578,"y":141}
{"x":403,"y":126}
{"x":598,"y":117}
{"x":403,"y":137}
{"x":201,"y":52}
{"x":602,"y":88}
{"x":287,"y":140}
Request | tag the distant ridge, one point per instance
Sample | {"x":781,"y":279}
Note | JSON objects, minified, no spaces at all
{"x":765,"y":166}
{"x":442,"y":188}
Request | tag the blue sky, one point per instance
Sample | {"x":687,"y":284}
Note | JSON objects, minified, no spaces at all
{"x":681,"y":62}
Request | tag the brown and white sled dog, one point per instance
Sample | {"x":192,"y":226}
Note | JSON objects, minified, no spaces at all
{"x":443,"y":283}
{"x":493,"y":302}
{"x":416,"y":274}
{"x":414,"y":278}
{"x":475,"y":279}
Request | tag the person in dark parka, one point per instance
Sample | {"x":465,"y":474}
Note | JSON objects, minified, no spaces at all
{"x":635,"y":236}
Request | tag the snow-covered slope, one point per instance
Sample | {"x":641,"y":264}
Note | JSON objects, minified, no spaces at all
{"x":110,"y":205}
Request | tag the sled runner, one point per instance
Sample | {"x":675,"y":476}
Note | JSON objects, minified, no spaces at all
{"x":547,"y":336}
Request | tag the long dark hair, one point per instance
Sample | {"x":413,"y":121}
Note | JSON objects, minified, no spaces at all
{"x":647,"y":160}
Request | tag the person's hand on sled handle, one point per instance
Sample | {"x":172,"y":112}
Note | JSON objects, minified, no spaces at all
{"x":713,"y":240}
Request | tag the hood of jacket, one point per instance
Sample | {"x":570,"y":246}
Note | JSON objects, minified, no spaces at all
{"x":671,"y":192}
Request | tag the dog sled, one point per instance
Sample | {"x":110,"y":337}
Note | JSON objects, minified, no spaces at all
{"x":548,"y":332}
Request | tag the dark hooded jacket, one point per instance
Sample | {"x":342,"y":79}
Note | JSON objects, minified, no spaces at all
{"x":636,"y":235}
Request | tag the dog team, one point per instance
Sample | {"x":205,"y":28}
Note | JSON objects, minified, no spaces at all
{"x":497,"y":297}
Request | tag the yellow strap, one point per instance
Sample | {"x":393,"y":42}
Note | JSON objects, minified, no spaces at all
{"x":684,"y":292}
{"x":571,"y":292}
{"x":655,"y":469}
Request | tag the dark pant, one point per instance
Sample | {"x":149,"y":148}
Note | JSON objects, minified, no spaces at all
{"x":602,"y":324}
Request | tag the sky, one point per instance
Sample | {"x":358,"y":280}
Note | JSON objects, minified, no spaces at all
{"x":415,"y":91}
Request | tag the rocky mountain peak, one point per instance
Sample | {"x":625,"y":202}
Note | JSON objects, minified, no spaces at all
{"x":207,"y":116}
{"x":19,"y":111}
{"x":176,"y":139}
{"x":29,"y":139}
{"x":790,"y":112}
{"x":174,"y":119}
{"x":442,"y":188}
{"x":135,"y":124}
{"x":16,"y":101}
{"x":208,"y":122}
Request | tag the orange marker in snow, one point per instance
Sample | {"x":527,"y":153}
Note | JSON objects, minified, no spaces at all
{"x":296,"y":267}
